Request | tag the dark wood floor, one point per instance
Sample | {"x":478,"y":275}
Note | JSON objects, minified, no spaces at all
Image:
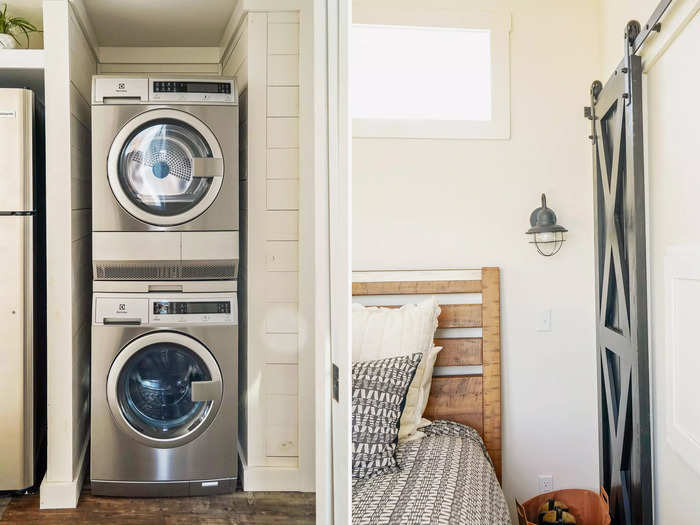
{"x":239,"y":507}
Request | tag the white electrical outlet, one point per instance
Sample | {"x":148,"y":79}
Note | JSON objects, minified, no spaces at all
{"x":544,"y":320}
{"x":545,"y":483}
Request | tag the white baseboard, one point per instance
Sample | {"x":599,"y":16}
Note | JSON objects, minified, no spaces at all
{"x":274,"y":479}
{"x":64,"y":494}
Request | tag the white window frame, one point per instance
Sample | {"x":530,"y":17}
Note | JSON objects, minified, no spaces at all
{"x":497,"y":22}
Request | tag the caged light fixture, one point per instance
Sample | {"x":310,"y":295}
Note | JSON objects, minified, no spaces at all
{"x":547,"y":235}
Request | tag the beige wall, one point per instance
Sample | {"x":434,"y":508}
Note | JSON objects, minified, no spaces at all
{"x":422,"y":204}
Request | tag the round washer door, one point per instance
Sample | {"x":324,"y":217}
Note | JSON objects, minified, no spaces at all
{"x":164,"y":389}
{"x":165,"y":167}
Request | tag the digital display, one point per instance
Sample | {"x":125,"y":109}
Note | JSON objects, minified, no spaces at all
{"x":202,"y":87}
{"x":204,"y":307}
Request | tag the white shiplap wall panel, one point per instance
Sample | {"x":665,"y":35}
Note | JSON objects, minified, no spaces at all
{"x":281,"y":425}
{"x":282,"y":440}
{"x":282,"y":195}
{"x":83,"y":65}
{"x":283,"y":39}
{"x":281,"y":379}
{"x":254,"y":193}
{"x":281,"y":348}
{"x":279,"y":17}
{"x":283,"y":132}
{"x":203,"y":69}
{"x":283,"y":101}
{"x":281,"y":256}
{"x":271,"y":190}
{"x":282,"y":225}
{"x":70,"y":64}
{"x":281,"y":317}
{"x":283,"y":163}
{"x":283,"y":70}
{"x":282,"y":286}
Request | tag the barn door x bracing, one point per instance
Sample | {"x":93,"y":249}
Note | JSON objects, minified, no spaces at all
{"x":621,"y":291}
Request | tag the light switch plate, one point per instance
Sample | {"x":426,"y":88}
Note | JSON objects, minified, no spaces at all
{"x":544,"y":320}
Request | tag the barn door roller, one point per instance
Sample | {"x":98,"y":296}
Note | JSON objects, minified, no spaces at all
{"x":635,"y":36}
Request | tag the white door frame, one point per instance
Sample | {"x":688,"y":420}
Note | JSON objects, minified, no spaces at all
{"x":340,"y":198}
{"x":333,"y":445}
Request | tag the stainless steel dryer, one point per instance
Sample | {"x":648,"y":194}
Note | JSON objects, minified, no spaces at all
{"x":164,"y":160}
{"x":163,"y":394}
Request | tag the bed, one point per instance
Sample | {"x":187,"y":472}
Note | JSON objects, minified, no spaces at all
{"x":453,"y":474}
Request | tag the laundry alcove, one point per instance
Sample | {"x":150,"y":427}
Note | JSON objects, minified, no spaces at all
{"x":268,"y":47}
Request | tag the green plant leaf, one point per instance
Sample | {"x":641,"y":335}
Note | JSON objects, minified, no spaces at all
{"x":11,"y":25}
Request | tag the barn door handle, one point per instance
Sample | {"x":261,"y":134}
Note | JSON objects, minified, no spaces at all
{"x":206,"y":390}
{"x":207,"y":167}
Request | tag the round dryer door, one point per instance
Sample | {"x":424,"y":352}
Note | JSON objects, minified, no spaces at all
{"x":164,"y":389}
{"x":165,"y":167}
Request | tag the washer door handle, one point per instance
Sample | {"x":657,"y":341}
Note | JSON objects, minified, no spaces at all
{"x":206,"y":390}
{"x":207,"y":167}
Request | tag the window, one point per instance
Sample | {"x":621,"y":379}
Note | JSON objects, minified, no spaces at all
{"x":443,"y":76}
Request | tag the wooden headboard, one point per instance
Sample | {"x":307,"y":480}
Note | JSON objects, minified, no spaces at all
{"x":466,"y":385}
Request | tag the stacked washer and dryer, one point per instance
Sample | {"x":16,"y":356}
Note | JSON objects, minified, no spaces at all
{"x":165,"y":252}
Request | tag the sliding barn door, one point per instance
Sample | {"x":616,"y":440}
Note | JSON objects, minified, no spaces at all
{"x":621,"y":291}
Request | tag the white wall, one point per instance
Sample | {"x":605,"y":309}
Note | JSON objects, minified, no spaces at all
{"x":70,"y":64}
{"x":427,"y":204}
{"x":673,"y":187}
{"x":268,"y":56}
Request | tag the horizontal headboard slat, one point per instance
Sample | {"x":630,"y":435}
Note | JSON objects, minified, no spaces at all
{"x":459,"y":352}
{"x":454,"y":315}
{"x":457,"y":398}
{"x":416,"y":287}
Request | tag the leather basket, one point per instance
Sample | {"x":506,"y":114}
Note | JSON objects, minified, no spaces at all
{"x":587,"y":507}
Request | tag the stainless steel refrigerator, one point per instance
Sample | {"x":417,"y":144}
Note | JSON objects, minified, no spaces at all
{"x":22,"y":290}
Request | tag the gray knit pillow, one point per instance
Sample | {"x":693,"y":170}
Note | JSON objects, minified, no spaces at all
{"x":378,"y":395}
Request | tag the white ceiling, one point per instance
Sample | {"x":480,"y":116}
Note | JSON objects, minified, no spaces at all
{"x":169,"y":23}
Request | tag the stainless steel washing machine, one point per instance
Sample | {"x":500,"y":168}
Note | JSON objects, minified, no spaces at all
{"x":165,"y":174}
{"x":163,"y":394}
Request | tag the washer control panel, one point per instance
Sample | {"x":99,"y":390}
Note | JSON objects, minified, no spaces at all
{"x":165,"y":310}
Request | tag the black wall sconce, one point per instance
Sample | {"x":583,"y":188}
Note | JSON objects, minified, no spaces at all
{"x":547,"y":235}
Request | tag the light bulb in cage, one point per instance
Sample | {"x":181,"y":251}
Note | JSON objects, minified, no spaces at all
{"x":547,"y":235}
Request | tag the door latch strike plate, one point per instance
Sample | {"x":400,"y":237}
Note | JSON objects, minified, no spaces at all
{"x":336,"y":383}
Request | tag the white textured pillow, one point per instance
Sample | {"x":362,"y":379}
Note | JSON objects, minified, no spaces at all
{"x":417,"y":397}
{"x":379,"y":333}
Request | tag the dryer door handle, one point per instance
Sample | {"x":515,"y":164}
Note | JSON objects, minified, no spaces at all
{"x":207,"y":167}
{"x":206,"y":390}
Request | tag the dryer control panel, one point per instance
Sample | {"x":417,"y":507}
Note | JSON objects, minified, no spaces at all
{"x":161,"y":310}
{"x":192,"y":90}
{"x":133,"y":89}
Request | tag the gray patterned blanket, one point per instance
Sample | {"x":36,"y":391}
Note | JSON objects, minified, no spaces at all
{"x":445,"y":478}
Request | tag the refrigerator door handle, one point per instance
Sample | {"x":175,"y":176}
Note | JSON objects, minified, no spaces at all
{"x":29,"y":344}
